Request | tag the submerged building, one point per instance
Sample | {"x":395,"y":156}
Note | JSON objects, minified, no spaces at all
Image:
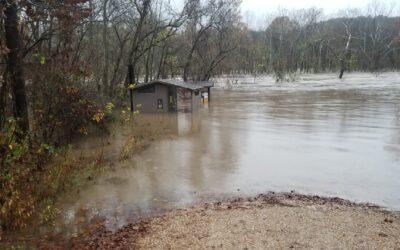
{"x":171,"y":95}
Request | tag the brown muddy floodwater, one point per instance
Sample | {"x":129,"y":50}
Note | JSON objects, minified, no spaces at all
{"x":319,"y":136}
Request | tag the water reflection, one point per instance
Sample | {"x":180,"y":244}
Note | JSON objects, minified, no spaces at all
{"x":331,"y":140}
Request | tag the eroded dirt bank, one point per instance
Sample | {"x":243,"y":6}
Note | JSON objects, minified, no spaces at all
{"x":266,"y":221}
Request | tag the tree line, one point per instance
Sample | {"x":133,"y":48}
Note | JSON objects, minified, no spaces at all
{"x":306,"y":41}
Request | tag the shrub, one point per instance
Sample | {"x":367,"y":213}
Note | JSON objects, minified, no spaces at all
{"x":20,"y":161}
{"x":32,"y":175}
{"x":66,"y":113}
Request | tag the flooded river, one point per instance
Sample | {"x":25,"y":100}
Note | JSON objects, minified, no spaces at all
{"x":319,"y":136}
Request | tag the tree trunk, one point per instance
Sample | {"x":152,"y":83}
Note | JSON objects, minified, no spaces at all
{"x":131,"y":74}
{"x":346,"y":54}
{"x":106,"y":54}
{"x":186,"y":70}
{"x":116,"y":69}
{"x":49,"y":42}
{"x":341,"y":70}
{"x":147,"y":67}
{"x":15,"y":65}
{"x":271,"y":60}
{"x":151,"y":65}
{"x":91,"y":25}
{"x":162,"y":63}
{"x":3,"y":99}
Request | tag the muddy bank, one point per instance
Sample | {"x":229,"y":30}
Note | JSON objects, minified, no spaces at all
{"x":285,"y":220}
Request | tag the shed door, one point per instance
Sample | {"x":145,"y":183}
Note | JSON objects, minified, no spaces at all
{"x":171,"y":99}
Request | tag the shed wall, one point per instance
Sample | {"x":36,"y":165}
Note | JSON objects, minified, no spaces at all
{"x":148,"y":101}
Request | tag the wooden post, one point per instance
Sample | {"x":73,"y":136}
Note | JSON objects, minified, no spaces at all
{"x":209,"y":94}
{"x":130,"y":79}
{"x":192,"y":100}
{"x":131,"y":97}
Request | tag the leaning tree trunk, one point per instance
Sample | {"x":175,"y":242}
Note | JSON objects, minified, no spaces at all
{"x":345,"y":57}
{"x":15,"y":65}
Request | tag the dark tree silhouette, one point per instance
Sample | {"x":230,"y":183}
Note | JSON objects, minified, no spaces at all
{"x":15,"y":64}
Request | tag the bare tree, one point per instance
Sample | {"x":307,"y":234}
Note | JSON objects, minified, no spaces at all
{"x":208,"y":34}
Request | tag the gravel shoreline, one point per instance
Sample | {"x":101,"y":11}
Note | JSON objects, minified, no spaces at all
{"x":273,"y":220}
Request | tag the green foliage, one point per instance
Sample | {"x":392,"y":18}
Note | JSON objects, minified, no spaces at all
{"x":40,"y":58}
{"x":21,"y":159}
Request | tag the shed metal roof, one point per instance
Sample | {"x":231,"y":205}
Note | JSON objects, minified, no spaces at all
{"x":178,"y":83}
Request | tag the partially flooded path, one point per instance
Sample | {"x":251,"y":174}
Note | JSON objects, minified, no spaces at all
{"x":270,"y":221}
{"x":318,"y":136}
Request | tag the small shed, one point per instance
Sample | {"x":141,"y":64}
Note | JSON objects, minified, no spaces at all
{"x":171,"y":95}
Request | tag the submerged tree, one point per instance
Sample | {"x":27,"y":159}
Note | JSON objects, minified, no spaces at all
{"x":284,"y":33}
{"x":346,"y":52}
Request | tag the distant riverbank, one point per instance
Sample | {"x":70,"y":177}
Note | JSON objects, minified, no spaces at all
{"x":284,"y":220}
{"x":269,"y":80}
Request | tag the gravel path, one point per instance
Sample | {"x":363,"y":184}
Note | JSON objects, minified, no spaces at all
{"x":274,"y":221}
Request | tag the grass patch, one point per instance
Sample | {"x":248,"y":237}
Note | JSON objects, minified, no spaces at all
{"x":146,"y":129}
